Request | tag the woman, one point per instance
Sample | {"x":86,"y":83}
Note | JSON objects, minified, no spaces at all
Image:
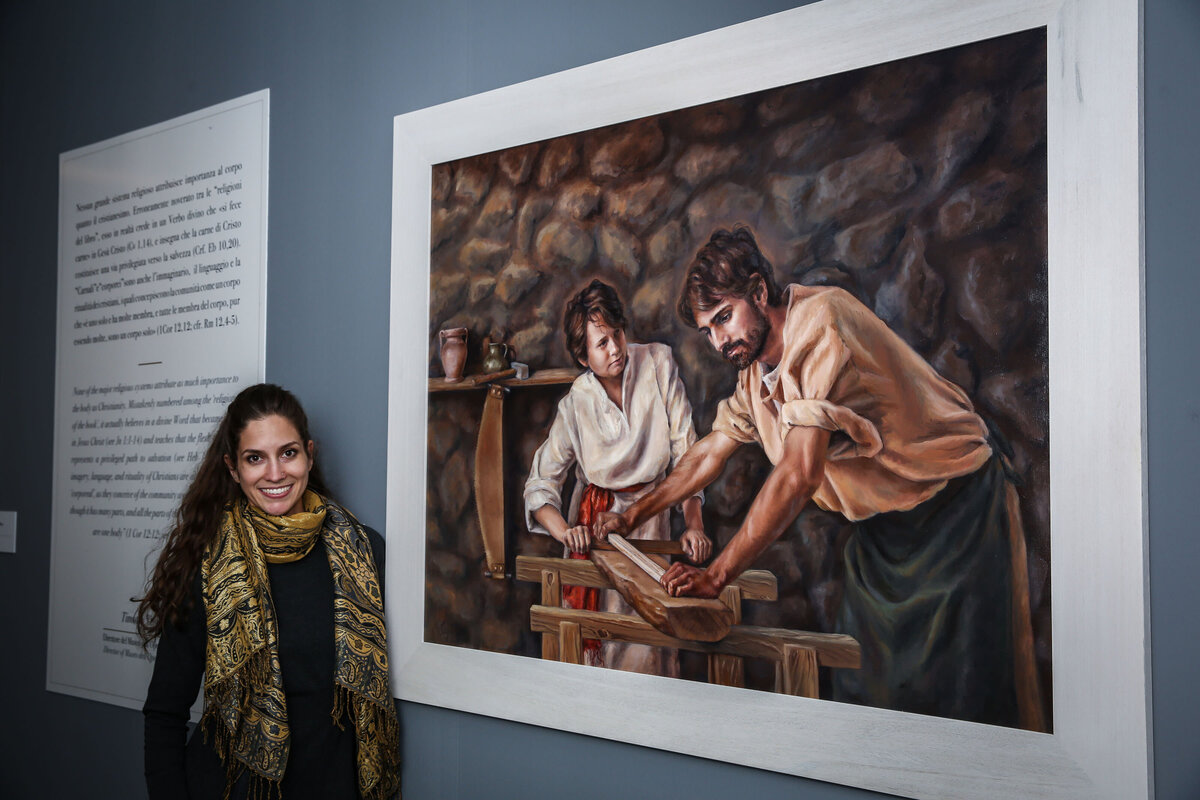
{"x":272,"y":592}
{"x":623,"y":424}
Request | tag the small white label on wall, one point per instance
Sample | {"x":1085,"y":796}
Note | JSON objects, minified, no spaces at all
{"x":8,"y":531}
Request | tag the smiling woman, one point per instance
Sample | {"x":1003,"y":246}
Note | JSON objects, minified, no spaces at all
{"x":272,"y":465}
{"x":281,"y":631}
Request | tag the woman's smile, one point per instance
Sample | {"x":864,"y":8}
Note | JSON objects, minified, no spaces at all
{"x":272,"y":465}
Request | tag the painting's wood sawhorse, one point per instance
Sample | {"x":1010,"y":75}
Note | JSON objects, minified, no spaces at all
{"x":797,"y":654}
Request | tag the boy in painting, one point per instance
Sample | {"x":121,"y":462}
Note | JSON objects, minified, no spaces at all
{"x":854,"y":419}
{"x":622,"y":425}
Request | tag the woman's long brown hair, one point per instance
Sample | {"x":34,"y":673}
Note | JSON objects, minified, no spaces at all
{"x":169,"y":589}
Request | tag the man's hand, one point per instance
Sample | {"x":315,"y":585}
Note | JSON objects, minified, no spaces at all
{"x":681,"y":580}
{"x":578,"y":539}
{"x":696,"y":546}
{"x":607,"y":522}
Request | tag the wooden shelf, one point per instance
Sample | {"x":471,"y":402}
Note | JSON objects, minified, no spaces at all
{"x":543,"y":377}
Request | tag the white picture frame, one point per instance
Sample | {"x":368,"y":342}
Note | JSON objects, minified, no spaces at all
{"x":1100,"y":746}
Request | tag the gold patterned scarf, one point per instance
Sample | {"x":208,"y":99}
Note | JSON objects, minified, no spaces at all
{"x":244,"y":704}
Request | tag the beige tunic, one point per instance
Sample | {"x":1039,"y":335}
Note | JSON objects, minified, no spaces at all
{"x":900,"y":430}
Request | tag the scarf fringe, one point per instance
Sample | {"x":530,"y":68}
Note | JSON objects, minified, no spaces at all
{"x":233,"y":690}
{"x":342,"y":700}
{"x":261,"y":788}
{"x":378,"y":730}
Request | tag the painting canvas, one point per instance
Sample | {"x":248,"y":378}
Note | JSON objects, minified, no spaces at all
{"x":918,"y":186}
{"x":965,"y":177}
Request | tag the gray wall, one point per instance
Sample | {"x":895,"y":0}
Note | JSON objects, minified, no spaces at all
{"x":72,"y":73}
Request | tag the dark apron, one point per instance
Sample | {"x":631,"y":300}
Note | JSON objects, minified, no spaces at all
{"x":928,"y":596}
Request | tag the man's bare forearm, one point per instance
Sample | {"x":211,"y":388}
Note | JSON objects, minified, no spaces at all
{"x":783,"y":495}
{"x":778,"y":503}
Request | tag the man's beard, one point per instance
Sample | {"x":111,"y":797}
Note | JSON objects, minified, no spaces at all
{"x":752,"y":346}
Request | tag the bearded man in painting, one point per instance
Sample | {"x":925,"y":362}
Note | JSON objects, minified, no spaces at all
{"x":853,"y":419}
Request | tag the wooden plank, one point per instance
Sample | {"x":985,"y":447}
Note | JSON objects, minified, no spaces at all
{"x":664,"y":547}
{"x":551,"y":587}
{"x":643,"y":562}
{"x":572,"y":571}
{"x":799,"y":671}
{"x":550,"y":647}
{"x":489,"y":377}
{"x":750,"y":641}
{"x":443,"y":385}
{"x":833,"y":649}
{"x":551,"y":596}
{"x":477,"y":381}
{"x":726,"y":670}
{"x":570,"y":642}
{"x":489,"y":481}
{"x":731,"y":596}
{"x":756,"y":584}
{"x":543,"y":377}
{"x":702,"y":619}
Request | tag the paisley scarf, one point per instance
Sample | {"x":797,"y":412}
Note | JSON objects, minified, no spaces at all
{"x":244,"y":704}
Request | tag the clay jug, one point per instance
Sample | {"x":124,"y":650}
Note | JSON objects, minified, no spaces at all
{"x":496,"y":358}
{"x":453,"y":352}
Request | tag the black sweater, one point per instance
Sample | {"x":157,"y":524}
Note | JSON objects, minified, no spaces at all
{"x":321,"y":762}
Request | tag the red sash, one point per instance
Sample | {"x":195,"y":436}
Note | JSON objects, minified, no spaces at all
{"x":594,"y":501}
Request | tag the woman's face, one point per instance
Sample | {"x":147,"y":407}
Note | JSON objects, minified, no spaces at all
{"x":272,"y":465}
{"x":606,"y":352}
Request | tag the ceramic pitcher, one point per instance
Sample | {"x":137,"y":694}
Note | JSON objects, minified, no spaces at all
{"x":496,"y":358}
{"x":453,"y":352}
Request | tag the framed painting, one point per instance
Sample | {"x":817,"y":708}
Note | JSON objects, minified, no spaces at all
{"x":966,"y":176}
